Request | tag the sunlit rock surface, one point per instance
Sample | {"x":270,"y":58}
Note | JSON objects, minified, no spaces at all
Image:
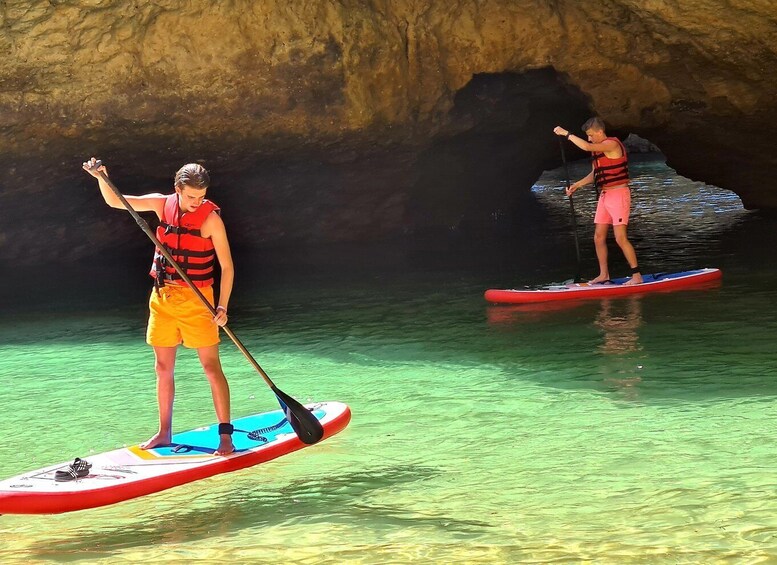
{"x":335,"y":121}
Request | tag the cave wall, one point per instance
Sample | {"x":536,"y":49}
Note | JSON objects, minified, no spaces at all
{"x":335,"y":120}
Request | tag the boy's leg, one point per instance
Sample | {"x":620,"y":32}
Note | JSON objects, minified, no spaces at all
{"x":211,"y":364}
{"x":164,"y":365}
{"x":623,"y":242}
{"x":600,"y":242}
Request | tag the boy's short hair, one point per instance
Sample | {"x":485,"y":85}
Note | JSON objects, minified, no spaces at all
{"x":192,"y":175}
{"x":594,"y":123}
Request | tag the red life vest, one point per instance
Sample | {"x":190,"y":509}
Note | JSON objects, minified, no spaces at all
{"x":180,"y":234}
{"x":611,"y":172}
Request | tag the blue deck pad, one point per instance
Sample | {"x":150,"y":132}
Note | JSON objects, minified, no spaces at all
{"x":204,"y":441}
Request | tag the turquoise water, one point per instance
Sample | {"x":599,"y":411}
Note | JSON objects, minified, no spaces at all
{"x":635,"y":430}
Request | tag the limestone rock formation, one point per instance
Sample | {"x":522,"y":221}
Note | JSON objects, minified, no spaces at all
{"x":331,"y":120}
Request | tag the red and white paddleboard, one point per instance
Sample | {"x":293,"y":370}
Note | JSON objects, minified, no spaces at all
{"x":130,"y":472}
{"x":615,"y":287}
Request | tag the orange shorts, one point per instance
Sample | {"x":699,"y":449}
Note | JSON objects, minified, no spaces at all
{"x":613,"y":207}
{"x":177,"y":315}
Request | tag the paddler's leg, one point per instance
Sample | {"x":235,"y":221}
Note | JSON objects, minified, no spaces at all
{"x":600,"y":243}
{"x":164,"y":366}
{"x":621,"y":238}
{"x":219,"y":387}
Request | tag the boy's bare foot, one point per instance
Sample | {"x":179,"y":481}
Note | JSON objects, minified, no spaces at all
{"x":600,"y":279}
{"x":225,"y":446}
{"x":157,"y":440}
{"x":636,"y":278}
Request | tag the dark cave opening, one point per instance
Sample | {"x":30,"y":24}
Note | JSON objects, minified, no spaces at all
{"x":501,"y":143}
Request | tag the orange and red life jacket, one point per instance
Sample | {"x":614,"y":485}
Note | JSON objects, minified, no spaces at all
{"x":611,"y":172}
{"x":180,"y":234}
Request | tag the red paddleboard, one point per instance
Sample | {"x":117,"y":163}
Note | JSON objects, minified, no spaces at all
{"x":130,"y":472}
{"x":575,"y":291}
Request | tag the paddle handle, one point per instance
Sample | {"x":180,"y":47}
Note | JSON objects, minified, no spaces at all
{"x":150,"y":233}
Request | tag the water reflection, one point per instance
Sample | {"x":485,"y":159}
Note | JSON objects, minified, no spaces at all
{"x":511,"y":313}
{"x":611,"y":342}
{"x":619,"y":321}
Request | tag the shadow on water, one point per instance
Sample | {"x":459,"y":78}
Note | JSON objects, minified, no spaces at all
{"x":327,"y":500}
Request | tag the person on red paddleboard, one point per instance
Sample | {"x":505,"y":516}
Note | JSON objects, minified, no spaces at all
{"x":193,"y":232}
{"x":610,"y":174}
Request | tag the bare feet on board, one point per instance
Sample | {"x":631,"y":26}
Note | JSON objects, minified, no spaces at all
{"x":636,"y":278}
{"x":158,"y":439}
{"x":225,"y":446}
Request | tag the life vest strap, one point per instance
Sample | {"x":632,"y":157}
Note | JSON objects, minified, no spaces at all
{"x":179,"y":230}
{"x":187,"y":253}
{"x":176,"y":277}
{"x":163,"y":265}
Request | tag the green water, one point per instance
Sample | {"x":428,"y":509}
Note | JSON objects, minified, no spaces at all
{"x":636,"y":430}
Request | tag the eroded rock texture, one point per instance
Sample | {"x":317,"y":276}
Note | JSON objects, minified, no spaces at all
{"x":349,"y":120}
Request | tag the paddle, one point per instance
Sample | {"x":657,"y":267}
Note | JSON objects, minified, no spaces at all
{"x":302,"y":420}
{"x":572,"y":209}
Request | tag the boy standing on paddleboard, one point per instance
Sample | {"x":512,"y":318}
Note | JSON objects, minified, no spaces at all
{"x":610,"y":175}
{"x":192,"y":231}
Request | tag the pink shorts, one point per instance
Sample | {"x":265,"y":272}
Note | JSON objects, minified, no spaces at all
{"x":613,"y":207}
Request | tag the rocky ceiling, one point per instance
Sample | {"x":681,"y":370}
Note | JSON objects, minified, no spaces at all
{"x":349,"y":120}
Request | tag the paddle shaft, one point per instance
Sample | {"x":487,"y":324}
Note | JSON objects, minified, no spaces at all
{"x":149,"y":232}
{"x":571,"y":205}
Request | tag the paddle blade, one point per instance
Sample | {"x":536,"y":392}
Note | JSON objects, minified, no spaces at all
{"x":307,"y":427}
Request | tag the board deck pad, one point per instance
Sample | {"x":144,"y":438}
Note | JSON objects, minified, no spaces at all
{"x":130,"y":472}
